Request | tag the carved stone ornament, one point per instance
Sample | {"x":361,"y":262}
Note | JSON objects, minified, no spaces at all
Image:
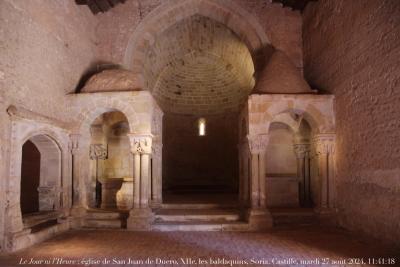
{"x":301,"y":150}
{"x":98,"y":151}
{"x":141,"y":144}
{"x":324,"y":143}
{"x":258,"y":143}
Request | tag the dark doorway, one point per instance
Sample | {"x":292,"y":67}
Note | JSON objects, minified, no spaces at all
{"x":30,"y":178}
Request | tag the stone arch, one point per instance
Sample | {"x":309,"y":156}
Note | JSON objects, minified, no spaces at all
{"x":25,"y":136}
{"x":286,"y":119}
{"x":286,"y":116}
{"x":171,"y":12}
{"x":90,"y":113}
{"x":47,"y":139}
{"x":52,"y":136}
{"x":85,"y":120}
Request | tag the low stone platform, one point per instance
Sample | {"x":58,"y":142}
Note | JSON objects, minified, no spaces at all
{"x":199,"y":213}
{"x":100,"y":219}
{"x":293,"y":216}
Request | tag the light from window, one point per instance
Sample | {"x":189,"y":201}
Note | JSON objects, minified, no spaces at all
{"x":202,"y":127}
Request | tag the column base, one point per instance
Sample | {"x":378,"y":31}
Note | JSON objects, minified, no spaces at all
{"x":77,"y":215}
{"x":259,"y":219}
{"x":156,"y":204}
{"x":77,"y":211}
{"x":140,"y":219}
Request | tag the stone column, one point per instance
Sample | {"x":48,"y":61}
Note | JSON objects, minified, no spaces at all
{"x":325,"y":148}
{"x":242,"y":176}
{"x":76,"y":205}
{"x":258,"y":216}
{"x":157,"y":175}
{"x":302,"y":152}
{"x":74,"y":148}
{"x":136,"y":181}
{"x":141,"y":216}
{"x":255,"y":181}
{"x":262,"y":177}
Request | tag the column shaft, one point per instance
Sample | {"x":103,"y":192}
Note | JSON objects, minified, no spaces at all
{"x":74,"y":178}
{"x":330,"y":181}
{"x":261,"y":171}
{"x":323,"y":162}
{"x":136,"y":185}
{"x":145,"y":180}
{"x":255,"y":197}
{"x":159,"y":179}
{"x":307,"y":182}
{"x":301,"y":177}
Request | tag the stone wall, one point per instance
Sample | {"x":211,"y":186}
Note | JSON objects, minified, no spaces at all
{"x":45,"y":48}
{"x":209,"y":161}
{"x":49,"y":44}
{"x":282,"y":26}
{"x":352,"y":49}
{"x":4,"y":157}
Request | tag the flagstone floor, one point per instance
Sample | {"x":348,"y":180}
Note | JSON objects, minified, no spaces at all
{"x":299,"y":246}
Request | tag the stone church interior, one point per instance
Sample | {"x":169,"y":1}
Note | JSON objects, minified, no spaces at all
{"x":190,"y":132}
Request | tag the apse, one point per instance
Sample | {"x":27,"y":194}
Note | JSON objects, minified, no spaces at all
{"x":199,"y":66}
{"x":200,"y":73}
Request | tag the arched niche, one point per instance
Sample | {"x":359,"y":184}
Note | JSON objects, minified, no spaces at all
{"x":110,"y":158}
{"x":292,"y":178}
{"x":281,"y":159}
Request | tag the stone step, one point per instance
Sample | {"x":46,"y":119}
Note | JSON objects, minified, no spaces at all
{"x":200,"y":226}
{"x":191,"y":206}
{"x":104,"y":223}
{"x":187,"y":215}
{"x":102,"y":215}
{"x":286,"y":217}
{"x":109,"y":219}
{"x":38,"y":218}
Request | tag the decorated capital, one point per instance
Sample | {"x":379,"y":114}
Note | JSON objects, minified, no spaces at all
{"x":301,"y":150}
{"x":141,"y":143}
{"x":258,"y":143}
{"x":97,"y":151}
{"x":324,"y":143}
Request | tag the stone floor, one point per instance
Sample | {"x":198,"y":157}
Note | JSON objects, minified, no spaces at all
{"x":300,"y":246}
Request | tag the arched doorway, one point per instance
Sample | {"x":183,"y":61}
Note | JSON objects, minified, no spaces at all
{"x":30,"y":178}
{"x":41,"y":180}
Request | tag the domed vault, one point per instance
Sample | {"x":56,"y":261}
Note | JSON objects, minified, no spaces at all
{"x":198,"y":66}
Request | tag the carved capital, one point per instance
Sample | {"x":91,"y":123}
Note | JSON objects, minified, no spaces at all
{"x":98,"y":151}
{"x":73,"y":144}
{"x":324,"y":143}
{"x":258,"y":143}
{"x":301,"y":150}
{"x":141,"y":143}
